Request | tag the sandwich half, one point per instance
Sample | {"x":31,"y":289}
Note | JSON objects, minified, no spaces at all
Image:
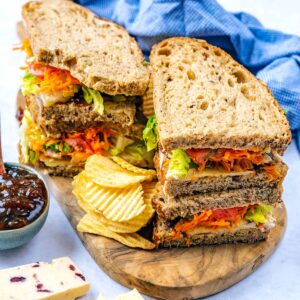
{"x":82,"y":85}
{"x":219,"y":133}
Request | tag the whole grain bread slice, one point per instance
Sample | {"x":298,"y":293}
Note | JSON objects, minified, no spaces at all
{"x":170,"y":208}
{"x":162,"y":236}
{"x":204,"y":99}
{"x":97,"y":52}
{"x":75,"y":116}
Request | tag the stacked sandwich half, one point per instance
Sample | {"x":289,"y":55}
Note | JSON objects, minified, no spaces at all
{"x":220,"y":135}
{"x":82,"y":79}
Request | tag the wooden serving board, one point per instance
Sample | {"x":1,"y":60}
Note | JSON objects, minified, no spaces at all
{"x":175,"y":273}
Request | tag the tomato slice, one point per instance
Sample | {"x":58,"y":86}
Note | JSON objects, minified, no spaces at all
{"x":199,"y":156}
{"x":228,"y":213}
{"x":37,"y":69}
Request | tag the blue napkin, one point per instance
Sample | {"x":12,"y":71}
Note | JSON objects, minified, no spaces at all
{"x":272,"y":56}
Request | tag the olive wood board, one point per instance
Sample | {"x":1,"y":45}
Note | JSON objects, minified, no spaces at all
{"x":175,"y":273}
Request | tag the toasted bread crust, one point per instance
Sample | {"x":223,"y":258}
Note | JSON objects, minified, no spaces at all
{"x":171,"y":208}
{"x":67,"y":117}
{"x":99,"y":53}
{"x":220,"y":103}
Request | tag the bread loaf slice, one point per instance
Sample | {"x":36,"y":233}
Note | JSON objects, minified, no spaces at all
{"x":97,"y":52}
{"x":170,"y":208}
{"x":78,"y":115}
{"x":205,"y":99}
{"x":163,"y":237}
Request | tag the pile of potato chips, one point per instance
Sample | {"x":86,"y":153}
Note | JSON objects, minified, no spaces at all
{"x":116,"y":197}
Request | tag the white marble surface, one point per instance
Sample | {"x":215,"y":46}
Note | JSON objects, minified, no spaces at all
{"x":278,"y":278}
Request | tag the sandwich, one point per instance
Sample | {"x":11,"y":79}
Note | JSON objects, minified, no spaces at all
{"x":83,"y":81}
{"x":219,"y":134}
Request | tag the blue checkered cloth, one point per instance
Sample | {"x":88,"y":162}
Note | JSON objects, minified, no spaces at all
{"x":272,"y":56}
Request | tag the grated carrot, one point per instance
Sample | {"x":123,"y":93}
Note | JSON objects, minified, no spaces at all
{"x":26,"y":47}
{"x":227,"y":159}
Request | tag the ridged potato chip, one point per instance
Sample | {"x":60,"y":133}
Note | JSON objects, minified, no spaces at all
{"x":148,"y":107}
{"x":139,"y":221}
{"x":91,"y":224}
{"x":107,"y":173}
{"x":116,"y":204}
{"x":127,"y":166}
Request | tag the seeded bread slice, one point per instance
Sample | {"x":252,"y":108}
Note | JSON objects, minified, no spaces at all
{"x":205,"y":99}
{"x":170,"y":208}
{"x":97,"y":52}
{"x":74,"y":116}
{"x":69,"y":171}
{"x":163,"y":238}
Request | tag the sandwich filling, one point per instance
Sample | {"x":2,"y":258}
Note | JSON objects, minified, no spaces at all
{"x":75,"y":147}
{"x":180,"y":163}
{"x":55,"y":85}
{"x":192,"y":162}
{"x":225,"y":220}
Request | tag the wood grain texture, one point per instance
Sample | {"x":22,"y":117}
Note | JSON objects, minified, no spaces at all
{"x":171,"y":273}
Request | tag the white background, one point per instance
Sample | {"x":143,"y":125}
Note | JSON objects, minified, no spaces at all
{"x":278,"y":278}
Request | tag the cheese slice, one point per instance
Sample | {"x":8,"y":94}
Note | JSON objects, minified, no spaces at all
{"x":60,"y":280}
{"x":194,"y":173}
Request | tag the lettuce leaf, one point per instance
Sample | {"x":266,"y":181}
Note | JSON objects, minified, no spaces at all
{"x":258,"y":214}
{"x":29,"y":85}
{"x":93,"y":96}
{"x":138,"y":155}
{"x":59,"y":147}
{"x":150,"y":134}
{"x":119,"y":98}
{"x":179,"y":163}
{"x":120,"y":143}
{"x":32,"y":156}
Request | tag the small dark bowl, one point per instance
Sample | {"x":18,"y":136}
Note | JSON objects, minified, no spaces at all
{"x":13,"y":238}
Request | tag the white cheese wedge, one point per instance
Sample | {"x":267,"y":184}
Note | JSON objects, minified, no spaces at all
{"x":60,"y":280}
{"x":132,"y":295}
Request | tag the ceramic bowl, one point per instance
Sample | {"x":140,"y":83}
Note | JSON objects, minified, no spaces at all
{"x":16,"y":237}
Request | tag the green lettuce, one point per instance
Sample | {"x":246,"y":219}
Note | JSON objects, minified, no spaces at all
{"x":93,"y":96}
{"x":258,"y":214}
{"x":66,"y":148}
{"x":32,"y":156}
{"x":120,"y":143}
{"x":150,"y":134}
{"x":119,"y":98}
{"x":137,"y":154}
{"x":179,"y":163}
{"x":29,"y":85}
{"x":59,"y":147}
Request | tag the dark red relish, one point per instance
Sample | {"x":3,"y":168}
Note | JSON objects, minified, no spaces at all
{"x":23,"y":198}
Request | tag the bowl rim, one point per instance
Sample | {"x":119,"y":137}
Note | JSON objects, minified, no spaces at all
{"x":45,"y":212}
